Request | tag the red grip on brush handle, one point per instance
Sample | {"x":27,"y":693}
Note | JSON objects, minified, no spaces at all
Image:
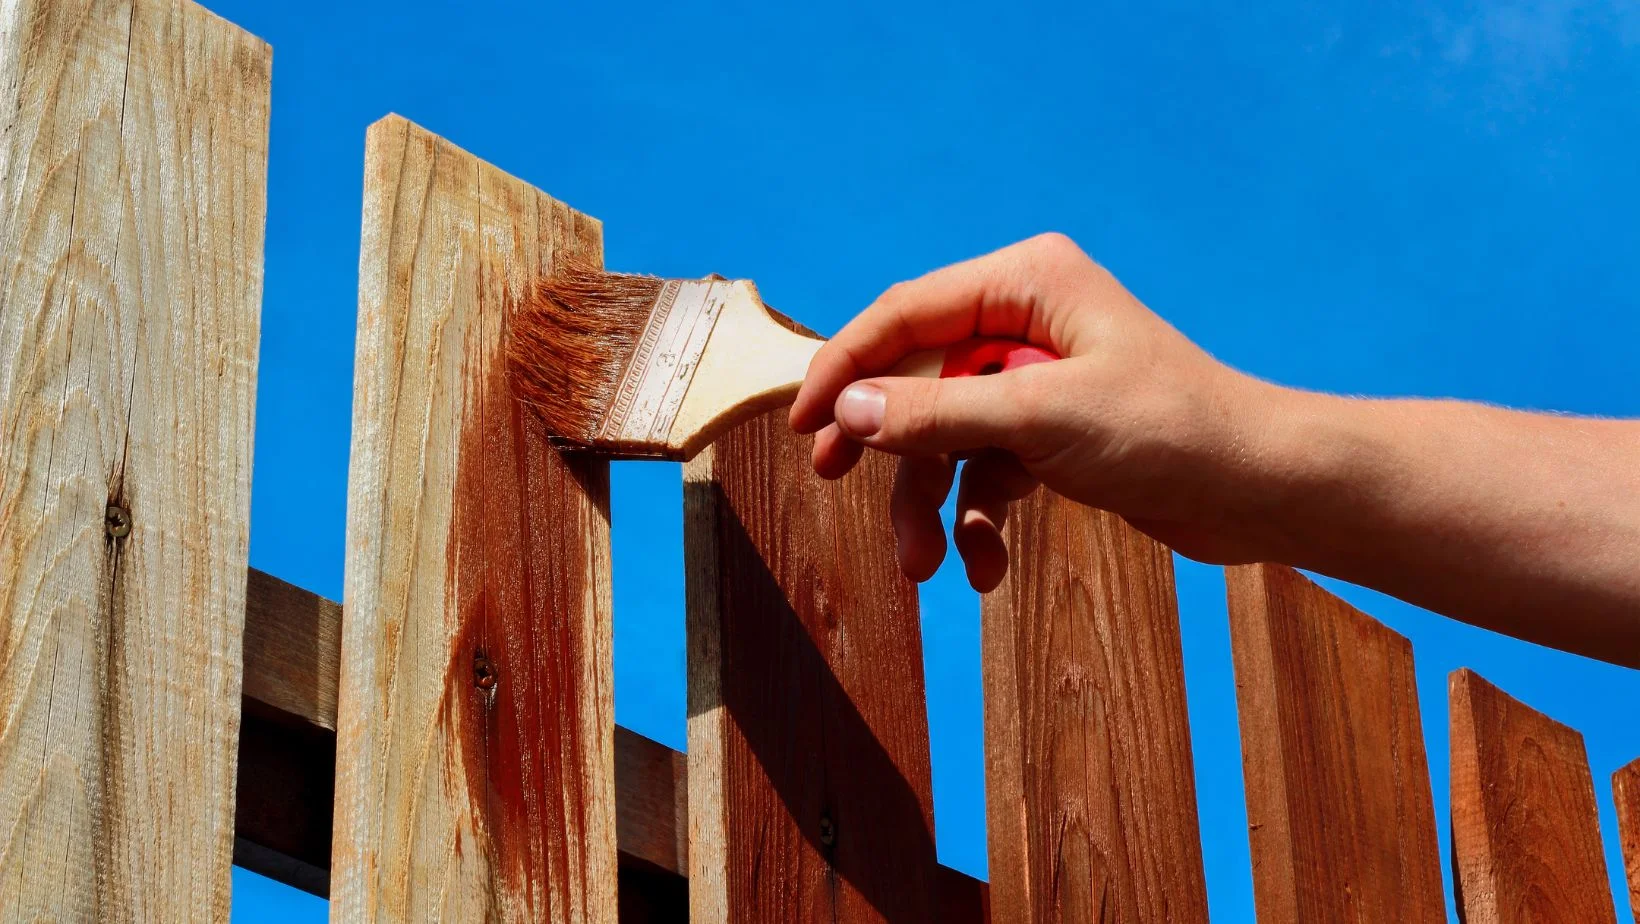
{"x":988,"y":356}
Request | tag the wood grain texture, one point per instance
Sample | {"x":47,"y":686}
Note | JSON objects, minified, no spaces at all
{"x":284,"y":797}
{"x":283,"y":810}
{"x":287,"y":765}
{"x":1090,"y":794}
{"x":133,"y":153}
{"x":1525,"y":828}
{"x":809,"y":791}
{"x":652,"y":798}
{"x":962,"y":899}
{"x":1339,"y":808}
{"x":475,"y":774}
{"x":293,"y":649}
{"x":651,"y":896}
{"x":1626,"y":789}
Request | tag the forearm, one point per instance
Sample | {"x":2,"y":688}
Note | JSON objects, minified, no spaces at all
{"x":1526,"y":524}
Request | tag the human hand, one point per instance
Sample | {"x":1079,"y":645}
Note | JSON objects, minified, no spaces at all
{"x":1135,"y":418}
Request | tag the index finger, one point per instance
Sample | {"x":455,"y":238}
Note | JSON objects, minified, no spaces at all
{"x":987,"y":296}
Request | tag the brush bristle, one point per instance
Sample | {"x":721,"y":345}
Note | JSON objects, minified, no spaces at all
{"x":570,"y":341}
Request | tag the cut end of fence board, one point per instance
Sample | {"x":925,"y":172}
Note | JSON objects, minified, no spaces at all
{"x":474,"y":733}
{"x":651,"y":782}
{"x":584,"y":226}
{"x":1525,"y":828}
{"x":1090,"y":791}
{"x":809,"y":780}
{"x":1340,"y":812}
{"x":131,"y":273}
{"x":1626,"y":789}
{"x":293,"y":649}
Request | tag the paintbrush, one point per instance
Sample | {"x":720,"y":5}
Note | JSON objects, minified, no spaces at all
{"x":643,"y":367}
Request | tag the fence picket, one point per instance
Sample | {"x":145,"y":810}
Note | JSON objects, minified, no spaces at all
{"x":1525,"y":829}
{"x":130,"y":299}
{"x":809,"y":779}
{"x":1340,"y":814}
{"x":458,"y":719}
{"x":1090,"y":796}
{"x":1626,"y":788}
{"x":475,"y":776}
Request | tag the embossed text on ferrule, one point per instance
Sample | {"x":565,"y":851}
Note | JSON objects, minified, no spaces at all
{"x":658,"y":375}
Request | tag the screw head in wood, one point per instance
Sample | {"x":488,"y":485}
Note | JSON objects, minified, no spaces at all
{"x":483,"y":673}
{"x":828,"y":831}
{"x":117,"y":521}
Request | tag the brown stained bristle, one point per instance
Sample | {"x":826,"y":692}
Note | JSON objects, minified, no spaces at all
{"x":570,"y":341}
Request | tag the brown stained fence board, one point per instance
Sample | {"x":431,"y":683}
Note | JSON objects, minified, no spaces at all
{"x":283,"y":812}
{"x":283,"y":803}
{"x":283,"y":809}
{"x":1090,"y":798}
{"x":288,"y":759}
{"x":809,"y":792}
{"x":130,"y":299}
{"x":475,"y":773}
{"x":1525,"y":828}
{"x":1339,"y":807}
{"x":652,"y":792}
{"x":962,"y":899}
{"x":293,"y":648}
{"x":650,"y":895}
{"x":1626,"y":788}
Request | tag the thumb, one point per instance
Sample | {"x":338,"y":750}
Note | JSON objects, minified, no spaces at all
{"x":917,"y":416}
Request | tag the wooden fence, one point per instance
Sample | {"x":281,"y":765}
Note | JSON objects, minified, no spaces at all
{"x":447,"y":749}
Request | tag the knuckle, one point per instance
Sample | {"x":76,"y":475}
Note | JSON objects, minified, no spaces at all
{"x":1035,"y":398}
{"x":895,"y":307}
{"x":1026,"y":401}
{"x":902,"y":499}
{"x":918,"y":486}
{"x":920,"y":418}
{"x":1057,"y":262}
{"x":895,"y":295}
{"x":1055,"y":244}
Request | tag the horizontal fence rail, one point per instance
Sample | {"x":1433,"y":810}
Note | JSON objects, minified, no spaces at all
{"x":444,"y":749}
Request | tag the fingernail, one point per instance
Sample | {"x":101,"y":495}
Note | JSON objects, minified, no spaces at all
{"x":860,"y":409}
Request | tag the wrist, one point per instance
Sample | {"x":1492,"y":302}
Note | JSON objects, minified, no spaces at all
{"x":1298,"y":453}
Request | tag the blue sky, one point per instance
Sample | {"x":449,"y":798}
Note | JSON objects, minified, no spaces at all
{"x":1376,"y":198}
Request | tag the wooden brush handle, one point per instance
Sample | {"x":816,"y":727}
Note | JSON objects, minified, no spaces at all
{"x":752,"y":363}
